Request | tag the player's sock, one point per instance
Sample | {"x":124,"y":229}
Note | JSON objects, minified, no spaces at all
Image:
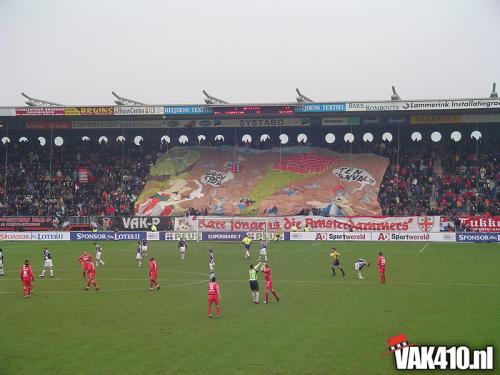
{"x":51,"y":273}
{"x":24,"y":290}
{"x":275,"y":295}
{"x":333,"y":271}
{"x":43,"y":273}
{"x":209,"y":311}
{"x":257,"y":296}
{"x":88,"y":284}
{"x":343,"y":273}
{"x":217,"y":311}
{"x":84,"y":275}
{"x":267,"y":297}
{"x":101,"y":262}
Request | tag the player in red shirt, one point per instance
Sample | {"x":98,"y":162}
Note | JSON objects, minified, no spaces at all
{"x":90,"y":270}
{"x":27,"y":278}
{"x":85,"y":257}
{"x":381,"y":267}
{"x":269,"y":283}
{"x":213,"y":297}
{"x":153,"y":274}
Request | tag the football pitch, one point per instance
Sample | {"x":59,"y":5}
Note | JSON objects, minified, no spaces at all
{"x":436,"y":294}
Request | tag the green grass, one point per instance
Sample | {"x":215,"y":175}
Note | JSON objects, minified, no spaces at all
{"x":448,"y":294}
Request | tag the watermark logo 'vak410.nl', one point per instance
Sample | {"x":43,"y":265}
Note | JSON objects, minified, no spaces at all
{"x":409,"y":356}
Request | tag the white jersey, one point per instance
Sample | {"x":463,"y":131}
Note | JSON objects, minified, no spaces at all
{"x":47,"y":258}
{"x":360,"y":264}
{"x":98,"y":252}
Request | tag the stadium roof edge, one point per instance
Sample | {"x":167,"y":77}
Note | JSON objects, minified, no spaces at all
{"x":386,"y":102}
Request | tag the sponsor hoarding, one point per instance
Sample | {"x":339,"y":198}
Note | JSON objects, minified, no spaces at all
{"x":137,"y":111}
{"x":107,"y":236}
{"x":330,"y":236}
{"x":340,"y":121}
{"x":47,"y":125}
{"x":396,"y":236}
{"x":187,"y":110}
{"x":372,"y":236}
{"x":153,"y":236}
{"x":424,"y":105}
{"x":436,"y":119}
{"x":480,"y":223}
{"x":26,"y":223}
{"x":176,"y":236}
{"x":39,"y":111}
{"x":222,"y":236}
{"x":88,"y":111}
{"x":478,"y":237}
{"x":6,"y":111}
{"x":321,"y":108}
{"x":15,"y":236}
{"x":50,"y":236}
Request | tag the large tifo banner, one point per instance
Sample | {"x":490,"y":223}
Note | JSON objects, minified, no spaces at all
{"x":229,"y":181}
{"x":27,"y":223}
{"x":416,"y":224}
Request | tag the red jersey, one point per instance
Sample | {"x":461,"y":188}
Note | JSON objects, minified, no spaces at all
{"x":267,"y":274}
{"x":213,"y":288}
{"x":27,"y":273}
{"x":85,"y":258}
{"x":381,"y":261}
{"x":153,"y":267}
{"x":89,"y":267}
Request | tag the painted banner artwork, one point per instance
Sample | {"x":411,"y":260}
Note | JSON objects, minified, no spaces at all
{"x":244,"y":181}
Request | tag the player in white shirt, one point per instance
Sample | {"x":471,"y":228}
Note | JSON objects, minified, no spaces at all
{"x":359,"y":265}
{"x":138,"y":255}
{"x":262,"y":251}
{"x":1,"y":263}
{"x":182,"y":248}
{"x":211,"y":263}
{"x":98,"y":253}
{"x":47,"y":262}
{"x":144,"y":248}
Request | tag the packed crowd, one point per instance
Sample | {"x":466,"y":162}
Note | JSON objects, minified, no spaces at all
{"x":422,"y":178}
{"x":38,"y":185}
{"x":439,"y":179}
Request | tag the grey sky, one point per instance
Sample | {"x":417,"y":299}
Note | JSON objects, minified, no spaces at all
{"x":76,"y":52}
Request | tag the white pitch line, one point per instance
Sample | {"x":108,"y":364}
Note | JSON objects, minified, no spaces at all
{"x":422,"y":249}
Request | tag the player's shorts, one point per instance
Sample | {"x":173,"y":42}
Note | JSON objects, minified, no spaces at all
{"x":1,"y":264}
{"x":211,"y":267}
{"x":336,"y":262}
{"x":358,"y":266}
{"x":153,"y":276}
{"x":98,"y":257}
{"x":27,"y":282}
{"x":254,"y":285}
{"x":182,"y":249}
{"x":47,"y":263}
{"x":263,"y":252}
{"x":247,"y":246}
{"x":145,"y":249}
{"x":91,"y":275}
{"x":381,"y":270}
{"x":138,"y":256}
{"x":269,"y":285}
{"x":213,"y":298}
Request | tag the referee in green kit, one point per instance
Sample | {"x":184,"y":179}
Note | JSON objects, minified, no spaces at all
{"x":254,"y":284}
